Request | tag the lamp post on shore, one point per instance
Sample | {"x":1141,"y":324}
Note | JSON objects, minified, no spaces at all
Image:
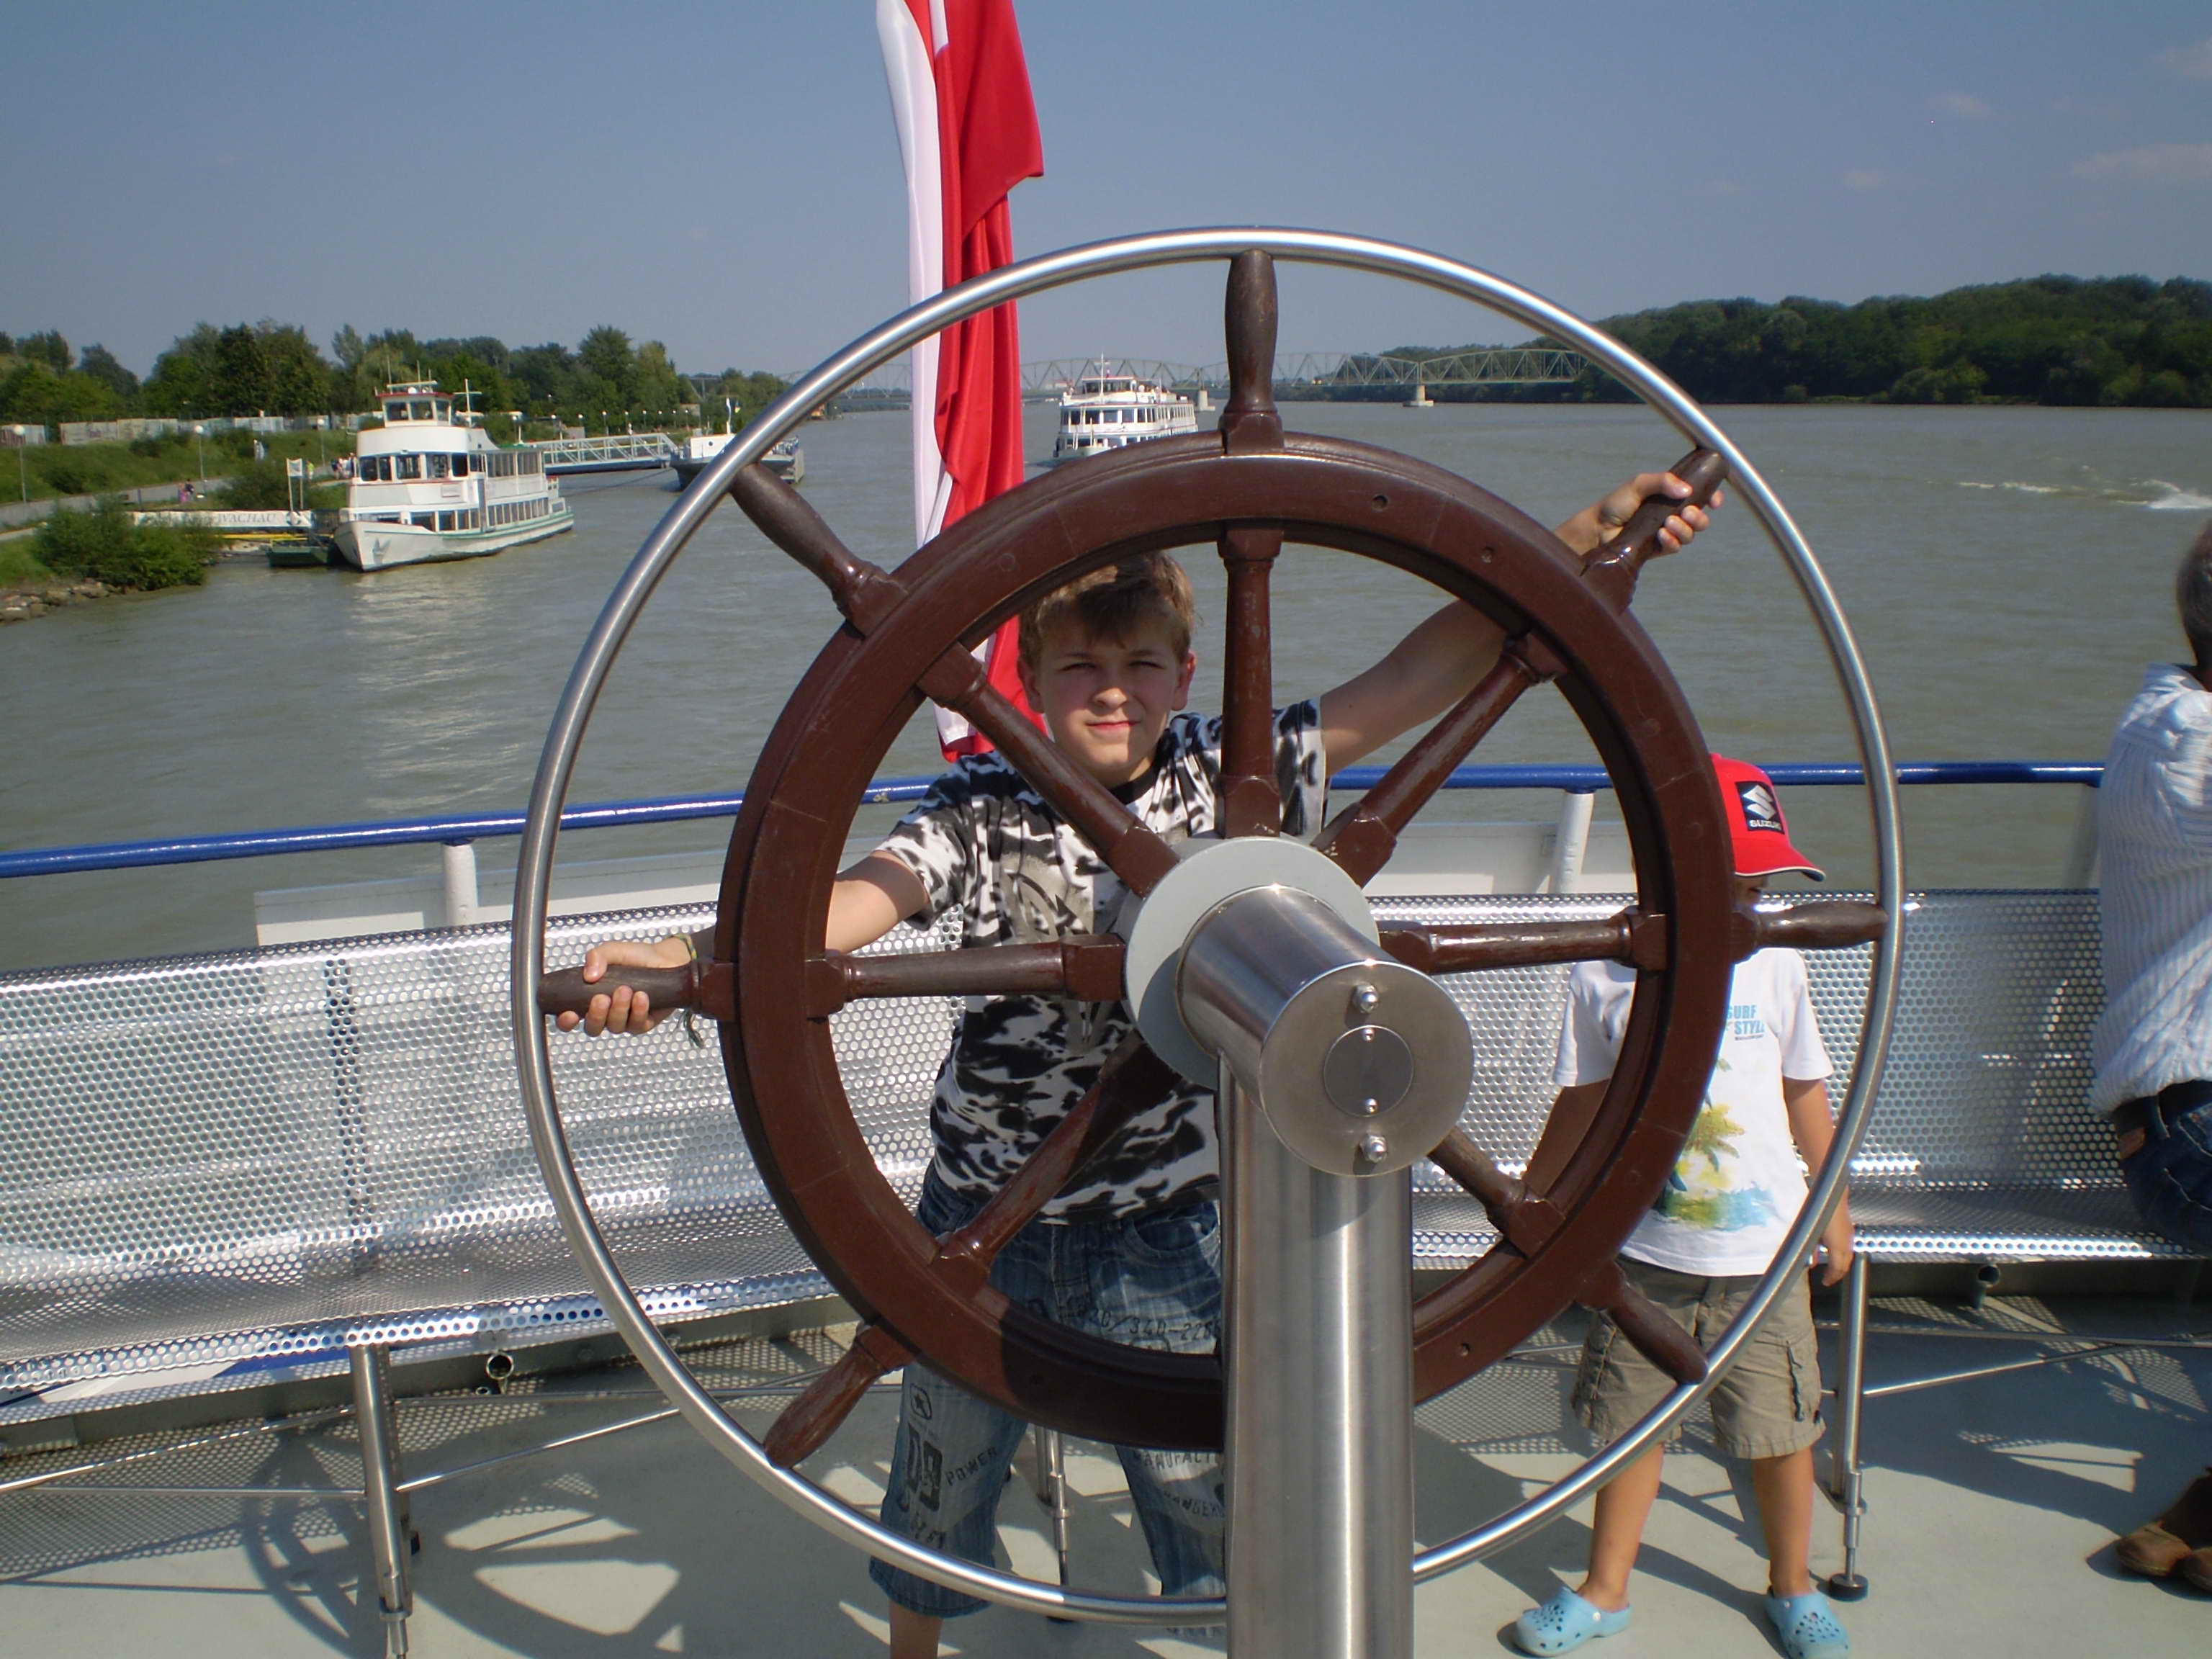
{"x":22,"y":465}
{"x":199,"y":431}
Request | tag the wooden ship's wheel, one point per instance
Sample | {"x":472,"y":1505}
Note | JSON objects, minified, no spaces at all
{"x":1245,"y":491}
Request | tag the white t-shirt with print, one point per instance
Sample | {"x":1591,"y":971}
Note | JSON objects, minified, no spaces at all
{"x":981,"y":840}
{"x":1739,"y":1184}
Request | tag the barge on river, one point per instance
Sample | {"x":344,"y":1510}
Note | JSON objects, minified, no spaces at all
{"x":428,"y":484}
{"x":786,"y":459}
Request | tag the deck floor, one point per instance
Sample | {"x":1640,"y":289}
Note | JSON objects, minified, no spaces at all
{"x":1992,"y":1505}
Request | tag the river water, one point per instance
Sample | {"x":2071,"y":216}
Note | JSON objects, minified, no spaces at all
{"x":2008,"y":572}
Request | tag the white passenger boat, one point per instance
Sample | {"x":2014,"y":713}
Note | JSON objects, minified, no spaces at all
{"x":786,"y":459}
{"x":1108,"y":410}
{"x":428,"y":484}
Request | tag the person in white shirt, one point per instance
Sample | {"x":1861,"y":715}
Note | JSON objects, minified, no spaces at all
{"x":1703,"y":1249}
{"x":2153,"y":1046}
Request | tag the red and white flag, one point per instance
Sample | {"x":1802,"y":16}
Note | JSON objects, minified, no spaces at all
{"x":967,"y":133}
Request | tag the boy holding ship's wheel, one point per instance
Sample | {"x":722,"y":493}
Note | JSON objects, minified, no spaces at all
{"x":1131,"y":1249}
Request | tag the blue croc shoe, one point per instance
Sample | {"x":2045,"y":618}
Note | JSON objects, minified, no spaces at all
{"x":1564,"y":1624}
{"x":1807,"y":1626}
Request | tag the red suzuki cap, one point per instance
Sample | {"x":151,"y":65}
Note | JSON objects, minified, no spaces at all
{"x":1758,"y":835}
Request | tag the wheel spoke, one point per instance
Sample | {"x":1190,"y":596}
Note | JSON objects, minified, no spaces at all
{"x":1132,"y":852}
{"x":1646,"y":1325}
{"x":1249,"y":422}
{"x":1086,"y":967}
{"x":863,"y":591}
{"x":1524,"y":1218}
{"x":801,"y":1427}
{"x":708,"y":986}
{"x":1362,"y":838}
{"x":1251,"y":802}
{"x":1133,"y":1080}
{"x":1526,"y":1221}
{"x":1833,"y":925}
{"x":1632,"y":937}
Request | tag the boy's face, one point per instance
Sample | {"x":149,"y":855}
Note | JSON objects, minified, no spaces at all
{"x":1106,"y":702}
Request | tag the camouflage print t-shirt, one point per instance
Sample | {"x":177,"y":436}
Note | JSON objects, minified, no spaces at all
{"x":983,"y":841}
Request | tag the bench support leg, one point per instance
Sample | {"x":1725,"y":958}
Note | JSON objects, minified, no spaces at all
{"x":1849,"y":1585}
{"x":389,"y":1542}
{"x":1049,"y":1483}
{"x":1052,"y":1463}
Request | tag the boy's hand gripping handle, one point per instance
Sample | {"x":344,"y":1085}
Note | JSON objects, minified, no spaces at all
{"x":707,"y":986}
{"x":1613,"y":566}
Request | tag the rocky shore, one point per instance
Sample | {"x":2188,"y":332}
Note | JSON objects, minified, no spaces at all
{"x":22,"y":603}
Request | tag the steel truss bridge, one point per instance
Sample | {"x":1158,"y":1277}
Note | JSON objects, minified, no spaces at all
{"x":1296,"y":372}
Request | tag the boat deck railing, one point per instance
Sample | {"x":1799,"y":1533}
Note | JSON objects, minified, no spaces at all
{"x":1577,"y":786}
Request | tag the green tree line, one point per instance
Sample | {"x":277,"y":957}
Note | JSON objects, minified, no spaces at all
{"x":2058,"y":340}
{"x":274,"y":368}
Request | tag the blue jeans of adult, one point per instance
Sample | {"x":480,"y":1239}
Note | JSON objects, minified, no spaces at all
{"x":1151,"y":1281}
{"x":2169,"y":1177}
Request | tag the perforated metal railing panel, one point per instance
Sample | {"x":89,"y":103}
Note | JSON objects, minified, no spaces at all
{"x":219,"y":1164}
{"x":1982,"y":1144}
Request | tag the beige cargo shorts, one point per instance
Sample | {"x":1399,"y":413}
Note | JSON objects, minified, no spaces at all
{"x":1766,"y":1403}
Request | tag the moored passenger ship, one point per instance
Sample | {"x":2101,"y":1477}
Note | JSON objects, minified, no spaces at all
{"x":428,"y":484}
{"x":1105,"y":410}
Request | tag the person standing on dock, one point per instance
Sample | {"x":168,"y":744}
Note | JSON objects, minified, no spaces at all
{"x":2153,"y":1046}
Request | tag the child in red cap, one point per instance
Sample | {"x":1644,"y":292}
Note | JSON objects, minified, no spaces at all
{"x":1701,"y":1251}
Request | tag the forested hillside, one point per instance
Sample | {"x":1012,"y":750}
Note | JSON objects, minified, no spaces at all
{"x":2070,"y":340}
{"x":274,"y":368}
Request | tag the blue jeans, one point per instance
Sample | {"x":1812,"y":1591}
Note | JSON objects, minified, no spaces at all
{"x":1151,"y":1281}
{"x":2170,"y":1176}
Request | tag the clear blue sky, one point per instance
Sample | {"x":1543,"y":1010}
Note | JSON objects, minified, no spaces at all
{"x":724,"y":177}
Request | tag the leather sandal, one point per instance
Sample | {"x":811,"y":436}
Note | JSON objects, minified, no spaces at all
{"x":2195,"y":1569}
{"x":2163,"y":1546}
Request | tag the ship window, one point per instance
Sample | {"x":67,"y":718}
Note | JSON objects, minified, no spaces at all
{"x":407,"y":466}
{"x":395,"y":411}
{"x":437,"y":466}
{"x":444,"y":410}
{"x":419,"y":410}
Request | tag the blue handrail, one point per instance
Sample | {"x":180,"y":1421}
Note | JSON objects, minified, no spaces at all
{"x":670,"y":809}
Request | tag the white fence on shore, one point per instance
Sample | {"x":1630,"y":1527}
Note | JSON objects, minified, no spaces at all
{"x":233,"y":518}
{"x":122,"y":432}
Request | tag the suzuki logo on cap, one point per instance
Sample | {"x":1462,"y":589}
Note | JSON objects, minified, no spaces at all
{"x":1760,"y":810}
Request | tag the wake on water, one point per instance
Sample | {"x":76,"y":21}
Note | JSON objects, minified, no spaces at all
{"x":2149,"y":495}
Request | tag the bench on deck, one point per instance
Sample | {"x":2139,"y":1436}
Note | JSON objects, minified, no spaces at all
{"x":309,"y":1158}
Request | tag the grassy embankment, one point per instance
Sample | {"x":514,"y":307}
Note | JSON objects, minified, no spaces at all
{"x":53,"y":470}
{"x":105,"y":544}
{"x":100,"y":545}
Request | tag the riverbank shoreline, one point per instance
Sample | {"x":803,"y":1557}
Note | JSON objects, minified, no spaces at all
{"x":20,"y":603}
